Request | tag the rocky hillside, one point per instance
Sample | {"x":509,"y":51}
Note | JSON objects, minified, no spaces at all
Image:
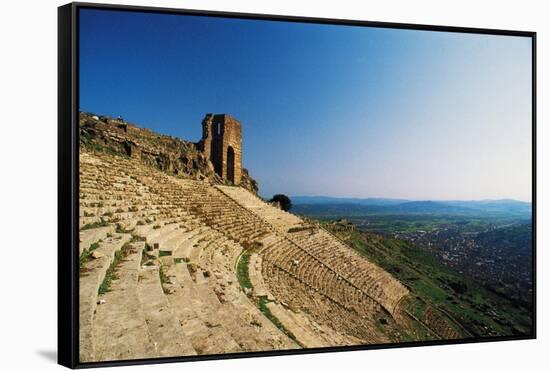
{"x":167,"y":153}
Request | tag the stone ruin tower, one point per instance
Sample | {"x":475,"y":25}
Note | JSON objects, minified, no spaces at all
{"x":222,"y":143}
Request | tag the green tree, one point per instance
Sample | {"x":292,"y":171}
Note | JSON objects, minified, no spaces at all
{"x":283,"y":200}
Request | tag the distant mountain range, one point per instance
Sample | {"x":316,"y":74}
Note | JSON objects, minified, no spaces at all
{"x":357,"y":206}
{"x":312,"y":200}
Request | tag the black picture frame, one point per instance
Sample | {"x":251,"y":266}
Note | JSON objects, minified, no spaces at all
{"x":68,"y":180}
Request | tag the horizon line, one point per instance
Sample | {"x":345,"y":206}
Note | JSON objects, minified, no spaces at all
{"x":415,"y":199}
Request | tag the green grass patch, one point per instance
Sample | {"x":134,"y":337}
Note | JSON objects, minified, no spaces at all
{"x":246,"y":284}
{"x":95,"y":146}
{"x":87,"y":254}
{"x":144,"y":258}
{"x":102,"y":223}
{"x":242,"y":271}
{"x":111,"y":275}
{"x":163,"y":280}
{"x":164,"y":253}
{"x":262,"y":305}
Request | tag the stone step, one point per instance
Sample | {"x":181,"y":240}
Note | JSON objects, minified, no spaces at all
{"x":165,"y":234}
{"x":91,"y":277}
{"x":256,"y":278}
{"x":154,"y":231}
{"x":197,"y":314}
{"x":177,"y":241}
{"x":164,"y":327}
{"x":186,"y":247}
{"x":90,"y":236}
{"x":120,"y":329}
{"x":304,"y":336}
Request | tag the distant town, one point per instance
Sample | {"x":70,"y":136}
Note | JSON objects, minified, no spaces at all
{"x":489,"y":256}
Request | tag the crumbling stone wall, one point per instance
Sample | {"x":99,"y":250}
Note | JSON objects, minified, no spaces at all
{"x":170,"y":154}
{"x":222,"y":144}
{"x":173,"y":155}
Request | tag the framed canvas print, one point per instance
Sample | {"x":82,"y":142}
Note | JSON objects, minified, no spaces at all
{"x":239,"y":185}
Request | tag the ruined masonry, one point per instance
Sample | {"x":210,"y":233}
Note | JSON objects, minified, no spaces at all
{"x":222,"y":145}
{"x":217,"y":157}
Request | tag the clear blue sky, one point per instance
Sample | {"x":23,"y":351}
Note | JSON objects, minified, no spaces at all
{"x":326,"y":110}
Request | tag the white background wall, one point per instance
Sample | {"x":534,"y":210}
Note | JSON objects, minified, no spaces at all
{"x":28,"y":83}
